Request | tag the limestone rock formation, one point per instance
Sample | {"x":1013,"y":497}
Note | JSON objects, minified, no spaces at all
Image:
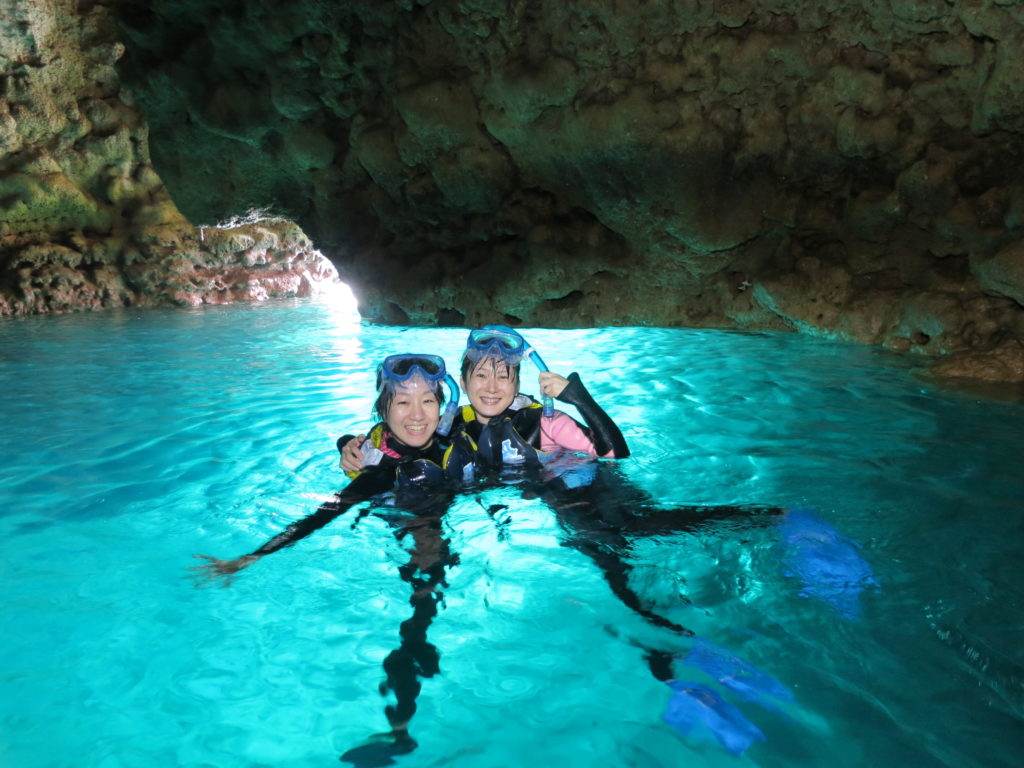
{"x":85,"y":221}
{"x":852,"y":170}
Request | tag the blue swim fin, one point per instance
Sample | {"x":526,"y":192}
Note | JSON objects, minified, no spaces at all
{"x":696,"y":711}
{"x":827,"y":562}
{"x":738,"y":675}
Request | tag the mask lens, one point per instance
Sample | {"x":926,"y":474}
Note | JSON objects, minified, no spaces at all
{"x":401,"y":367}
{"x":508,"y":343}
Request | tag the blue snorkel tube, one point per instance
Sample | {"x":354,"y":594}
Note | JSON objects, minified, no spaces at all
{"x":444,"y":426}
{"x":549,"y":404}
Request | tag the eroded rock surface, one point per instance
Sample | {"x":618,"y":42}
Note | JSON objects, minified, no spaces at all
{"x":844,"y":169}
{"x":85,"y":221}
{"x":850,"y":169}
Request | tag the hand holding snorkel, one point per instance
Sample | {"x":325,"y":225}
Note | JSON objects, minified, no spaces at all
{"x":548,"y":403}
{"x":552,"y":384}
{"x":508,"y":346}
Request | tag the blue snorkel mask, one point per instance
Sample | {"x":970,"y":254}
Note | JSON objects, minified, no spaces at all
{"x":398,"y":369}
{"x":508,"y":346}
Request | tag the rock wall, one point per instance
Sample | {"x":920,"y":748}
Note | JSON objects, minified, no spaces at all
{"x":85,"y":221}
{"x":845,"y":169}
{"x":852,"y":170}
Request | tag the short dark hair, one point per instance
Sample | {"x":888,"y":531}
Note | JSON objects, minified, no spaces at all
{"x":469,"y":365}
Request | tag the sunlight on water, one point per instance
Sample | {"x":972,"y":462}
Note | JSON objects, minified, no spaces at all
{"x":879,"y":622}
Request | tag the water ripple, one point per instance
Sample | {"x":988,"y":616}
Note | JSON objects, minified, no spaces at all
{"x":133,"y":440}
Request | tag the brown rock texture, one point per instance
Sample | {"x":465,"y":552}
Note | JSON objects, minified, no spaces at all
{"x":845,"y":169}
{"x":85,"y":221}
{"x":851,"y":170}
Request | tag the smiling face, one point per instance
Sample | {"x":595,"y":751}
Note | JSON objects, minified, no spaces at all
{"x":491,"y":387}
{"x":414,"y":412}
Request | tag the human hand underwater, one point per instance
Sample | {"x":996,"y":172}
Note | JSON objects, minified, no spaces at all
{"x":220,"y":570}
{"x":352,"y":455}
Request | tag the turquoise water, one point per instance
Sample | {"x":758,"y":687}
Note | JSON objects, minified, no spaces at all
{"x":134,"y":439}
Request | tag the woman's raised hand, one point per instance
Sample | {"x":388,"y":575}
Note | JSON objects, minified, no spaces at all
{"x":552,"y":384}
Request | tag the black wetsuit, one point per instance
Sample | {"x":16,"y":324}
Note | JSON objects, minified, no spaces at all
{"x":598,"y":519}
{"x":601,"y":516}
{"x":372,"y":481}
{"x":520,"y":425}
{"x":422,"y":495}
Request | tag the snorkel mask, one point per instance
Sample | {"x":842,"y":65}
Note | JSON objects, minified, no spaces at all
{"x":398,"y":369}
{"x":508,"y":346}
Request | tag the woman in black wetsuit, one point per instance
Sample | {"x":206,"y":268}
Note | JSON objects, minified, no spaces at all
{"x":403,"y":453}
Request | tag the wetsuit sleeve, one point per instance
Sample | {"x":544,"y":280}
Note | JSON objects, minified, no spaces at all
{"x":368,"y":484}
{"x":605,"y":434}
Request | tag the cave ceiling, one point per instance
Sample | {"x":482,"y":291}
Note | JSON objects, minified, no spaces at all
{"x":851,"y":170}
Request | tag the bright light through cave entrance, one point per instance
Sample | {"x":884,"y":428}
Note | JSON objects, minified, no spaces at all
{"x":338,"y":295}
{"x":318,"y":274}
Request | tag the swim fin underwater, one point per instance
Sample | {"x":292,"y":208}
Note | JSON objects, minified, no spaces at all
{"x":696,"y":711}
{"x":828,"y":563}
{"x":831,"y":569}
{"x":739,"y":676}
